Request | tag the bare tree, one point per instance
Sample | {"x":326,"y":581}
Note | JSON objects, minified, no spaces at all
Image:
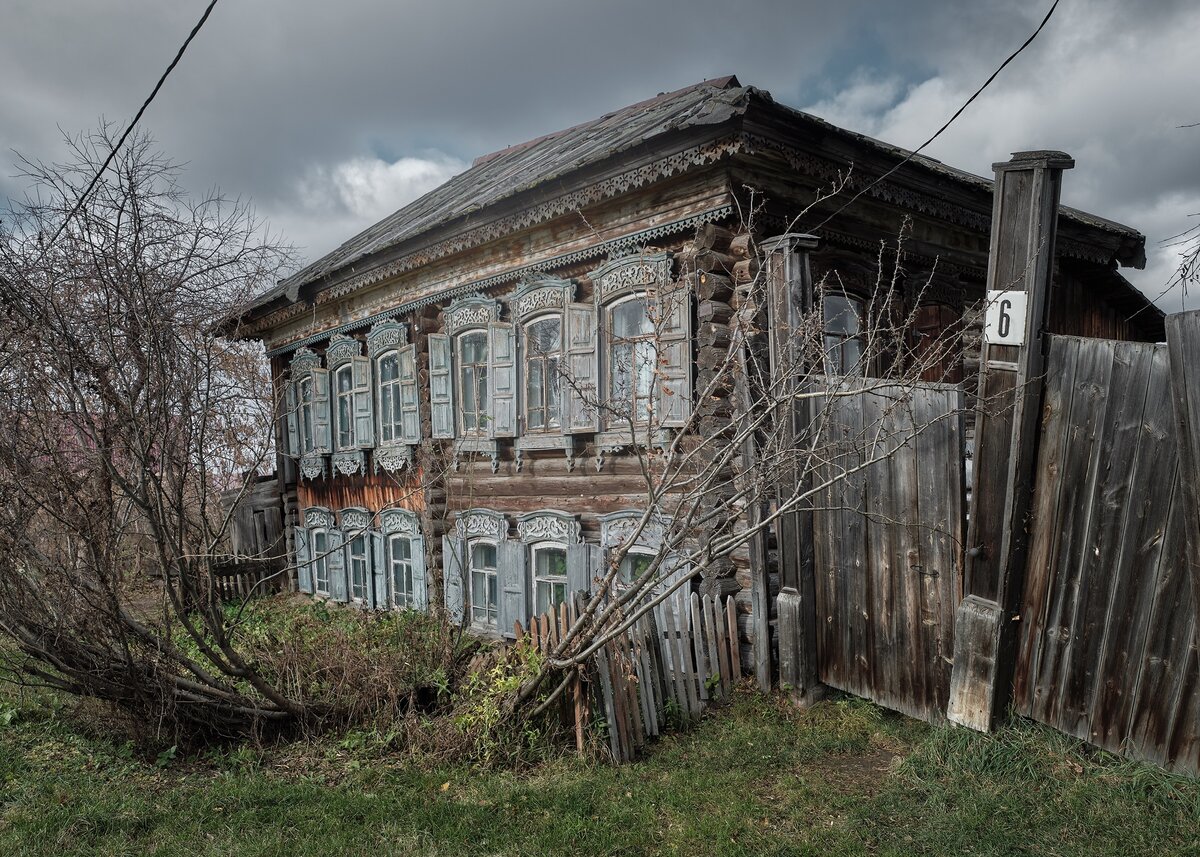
{"x":125,"y":413}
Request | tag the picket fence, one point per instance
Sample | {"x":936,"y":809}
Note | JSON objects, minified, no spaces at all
{"x":665,"y":668}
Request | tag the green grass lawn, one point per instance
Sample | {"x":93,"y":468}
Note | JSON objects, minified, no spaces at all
{"x":755,"y":778}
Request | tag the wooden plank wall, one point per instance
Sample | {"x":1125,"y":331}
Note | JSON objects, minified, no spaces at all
{"x":888,"y":544}
{"x":1108,"y":647}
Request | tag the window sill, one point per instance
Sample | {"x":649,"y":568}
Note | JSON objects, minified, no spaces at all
{"x":609,"y":442}
{"x":543,"y":441}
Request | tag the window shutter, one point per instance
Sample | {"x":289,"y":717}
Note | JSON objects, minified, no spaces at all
{"x":583,"y":564}
{"x":420,"y":591}
{"x":410,"y":411}
{"x":580,"y":414}
{"x":441,"y":387}
{"x":379,"y":570}
{"x":321,"y":411}
{"x":303,"y":559}
{"x":291,"y":420}
{"x":452,"y":577}
{"x":512,"y":574}
{"x":502,"y":379}
{"x":364,"y":417}
{"x":675,"y":356}
{"x":338,"y":590}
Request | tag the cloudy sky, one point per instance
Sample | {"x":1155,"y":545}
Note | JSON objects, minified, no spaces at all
{"x":331,"y":115}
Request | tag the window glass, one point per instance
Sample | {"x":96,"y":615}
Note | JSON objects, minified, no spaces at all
{"x":345,"y":407}
{"x":484,"y":596}
{"x":550,"y":577}
{"x":542,"y":377}
{"x":359,"y":576}
{"x":400,"y":558}
{"x":473,"y":380}
{"x":633,"y":566}
{"x":320,"y":562}
{"x":389,"y":397}
{"x":843,"y":327}
{"x":306,"y":413}
{"x":632,"y":359}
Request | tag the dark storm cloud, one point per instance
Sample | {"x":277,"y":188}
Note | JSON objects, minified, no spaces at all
{"x":329,"y":115}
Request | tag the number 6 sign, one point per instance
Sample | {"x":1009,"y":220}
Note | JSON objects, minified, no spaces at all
{"x":1004,"y":320}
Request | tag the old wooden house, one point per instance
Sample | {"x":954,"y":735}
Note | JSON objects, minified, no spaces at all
{"x":429,"y":451}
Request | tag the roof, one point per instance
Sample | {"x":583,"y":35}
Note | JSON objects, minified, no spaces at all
{"x":468,"y":197}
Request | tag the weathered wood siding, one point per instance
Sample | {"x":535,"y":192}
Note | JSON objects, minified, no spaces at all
{"x":888,"y":539}
{"x":1108,"y":648}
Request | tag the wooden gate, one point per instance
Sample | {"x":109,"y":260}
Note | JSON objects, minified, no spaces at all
{"x":1107,"y":648}
{"x":887,"y":535}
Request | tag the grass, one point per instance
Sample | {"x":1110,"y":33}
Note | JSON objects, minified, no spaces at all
{"x":755,"y":778}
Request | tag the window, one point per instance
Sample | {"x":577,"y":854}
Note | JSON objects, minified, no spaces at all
{"x":344,"y":380}
{"x":633,"y":566}
{"x":543,"y":352}
{"x":390,"y":417}
{"x":360,"y":573}
{"x":632,"y":358}
{"x":842,"y":334}
{"x":485,"y":598}
{"x":320,"y":561}
{"x":549,"y":576}
{"x":400,"y":572}
{"x":472,"y":374}
{"x":304,"y":388}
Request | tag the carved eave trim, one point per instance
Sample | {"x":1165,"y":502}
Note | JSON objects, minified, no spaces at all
{"x":399,"y":522}
{"x":304,"y":362}
{"x":385,"y":336}
{"x":618,"y":528}
{"x":481,"y":524}
{"x":467,"y":313}
{"x":633,"y":273}
{"x":342,"y":349}
{"x":355,"y":520}
{"x":318,"y":516}
{"x":386,"y":308}
{"x":539,"y":295}
{"x":549,"y":525}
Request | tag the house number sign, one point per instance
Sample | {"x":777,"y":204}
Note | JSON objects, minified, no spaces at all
{"x":1004,"y":319}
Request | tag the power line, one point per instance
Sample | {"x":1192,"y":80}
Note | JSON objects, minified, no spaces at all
{"x":949,"y":121}
{"x":145,"y":104}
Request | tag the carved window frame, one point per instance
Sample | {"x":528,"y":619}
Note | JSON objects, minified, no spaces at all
{"x":537,"y":300}
{"x":402,"y":525}
{"x":467,"y":316}
{"x":545,"y":530}
{"x":386,"y":339}
{"x":303,"y":367}
{"x":319,"y":521}
{"x":356,"y":522}
{"x":475,"y":527}
{"x":339,"y":358}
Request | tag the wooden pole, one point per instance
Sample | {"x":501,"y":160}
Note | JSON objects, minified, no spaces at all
{"x":789,"y":300}
{"x":1020,"y":272}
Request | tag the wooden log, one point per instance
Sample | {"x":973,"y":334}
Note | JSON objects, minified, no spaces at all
{"x":710,"y":261}
{"x":713,"y":335}
{"x":741,"y":246}
{"x":710,"y":236}
{"x":719,"y":311}
{"x":712,"y":286}
{"x":744,"y":271}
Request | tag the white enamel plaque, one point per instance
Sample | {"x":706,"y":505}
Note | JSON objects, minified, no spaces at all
{"x":1004,"y":320}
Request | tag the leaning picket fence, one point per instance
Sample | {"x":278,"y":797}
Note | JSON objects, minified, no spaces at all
{"x":665,"y":669}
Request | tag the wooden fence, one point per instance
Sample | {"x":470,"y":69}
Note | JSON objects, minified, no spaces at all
{"x":1107,"y":651}
{"x":667,"y":667}
{"x":887,"y":537}
{"x":239,"y":578}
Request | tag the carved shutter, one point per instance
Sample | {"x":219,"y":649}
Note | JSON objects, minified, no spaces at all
{"x":291,"y":420}
{"x":675,"y":356}
{"x":338,"y":590}
{"x":321,"y":411}
{"x":303,"y":560}
{"x":580,"y":414}
{"x":379,"y":570}
{"x":512,"y":573}
{"x":441,"y":386}
{"x":452,"y":577}
{"x":410,"y":411}
{"x":420,"y":591}
{"x":583,"y":564}
{"x":364,"y":411}
{"x":502,"y":379}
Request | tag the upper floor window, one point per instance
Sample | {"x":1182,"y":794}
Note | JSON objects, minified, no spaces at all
{"x":842,"y":334}
{"x":306,"y":413}
{"x":388,"y":375}
{"x":344,"y":381}
{"x":353,"y":406}
{"x":633,"y":358}
{"x":396,"y":395}
{"x":543,"y":375}
{"x":473,"y":381}
{"x":304,"y":395}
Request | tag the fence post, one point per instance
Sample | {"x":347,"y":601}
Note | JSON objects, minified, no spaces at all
{"x":789,"y":300}
{"x":1020,"y":271}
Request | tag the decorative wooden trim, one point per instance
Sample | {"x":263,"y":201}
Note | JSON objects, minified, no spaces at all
{"x":399,"y":522}
{"x":539,"y":294}
{"x":549,"y":525}
{"x":617,"y":528}
{"x":385,"y":336}
{"x":481,"y":523}
{"x":304,"y":362}
{"x":318,"y":516}
{"x":392,"y":457}
{"x":632,"y":273}
{"x":342,"y":349}
{"x":472,"y":312}
{"x":355,"y":518}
